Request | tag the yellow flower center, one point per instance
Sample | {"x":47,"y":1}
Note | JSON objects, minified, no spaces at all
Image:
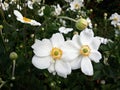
{"x":77,"y":6}
{"x":85,"y":50}
{"x":115,"y":19}
{"x":56,"y":53}
{"x":26,"y":19}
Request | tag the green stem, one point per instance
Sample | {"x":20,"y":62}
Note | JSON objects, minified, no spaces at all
{"x":68,"y":18}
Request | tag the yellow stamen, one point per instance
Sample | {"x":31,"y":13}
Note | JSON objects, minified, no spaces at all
{"x":115,"y":19}
{"x":77,"y":6}
{"x":26,"y":19}
{"x":85,"y":50}
{"x":56,"y":53}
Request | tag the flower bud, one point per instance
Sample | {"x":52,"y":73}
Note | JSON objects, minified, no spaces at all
{"x":13,"y":56}
{"x":1,"y":26}
{"x":81,"y":24}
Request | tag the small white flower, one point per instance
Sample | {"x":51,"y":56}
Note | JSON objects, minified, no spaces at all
{"x":30,"y":4}
{"x":65,"y":30}
{"x":76,"y":4}
{"x":115,"y":19}
{"x":19,"y":7}
{"x":50,"y":54}
{"x":25,"y":20}
{"x":40,"y":12}
{"x":4,"y":6}
{"x":84,"y":49}
{"x":58,"y":10}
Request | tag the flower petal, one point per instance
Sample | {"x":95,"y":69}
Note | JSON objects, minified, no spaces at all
{"x":95,"y":56}
{"x":42,"y":48}
{"x":76,"y":41}
{"x":62,"y":68}
{"x":57,"y":40}
{"x":41,"y":63}
{"x":86,"y":36}
{"x":76,"y":63}
{"x":18,"y":14}
{"x":51,"y":68}
{"x":70,"y":51}
{"x":95,"y":43}
{"x":86,"y":66}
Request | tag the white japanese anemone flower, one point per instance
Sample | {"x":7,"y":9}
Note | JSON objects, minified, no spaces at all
{"x":115,"y":19}
{"x":50,"y":54}
{"x":58,"y":10}
{"x":84,"y":49}
{"x":25,"y":20}
{"x":76,"y":4}
{"x":65,"y":30}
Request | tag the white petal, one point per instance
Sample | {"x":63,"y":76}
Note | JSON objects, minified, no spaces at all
{"x":76,"y":41}
{"x":95,"y":56}
{"x":95,"y":43}
{"x":86,"y":66}
{"x":51,"y":68}
{"x":42,"y":48}
{"x":57,"y":40}
{"x":76,"y":64}
{"x":62,"y":68}
{"x":86,"y":36}
{"x":41,"y":63}
{"x":18,"y":14}
{"x":70,"y":51}
{"x":35,"y":23}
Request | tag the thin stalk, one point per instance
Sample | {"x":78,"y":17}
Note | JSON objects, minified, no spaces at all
{"x":68,"y":18}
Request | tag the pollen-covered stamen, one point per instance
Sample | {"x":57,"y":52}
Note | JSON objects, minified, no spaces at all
{"x":85,"y":50}
{"x":56,"y":53}
{"x":26,"y":19}
{"x":115,"y":19}
{"x":77,"y":6}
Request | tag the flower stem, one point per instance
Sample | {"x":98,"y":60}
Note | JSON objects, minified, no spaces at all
{"x":68,"y":18}
{"x":13,"y":69}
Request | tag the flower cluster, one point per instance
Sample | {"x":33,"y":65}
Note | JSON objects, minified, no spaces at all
{"x":61,"y":57}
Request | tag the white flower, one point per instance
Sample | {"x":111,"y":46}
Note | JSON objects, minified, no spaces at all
{"x":40,"y":12}
{"x":65,"y":30}
{"x":76,"y":4}
{"x":49,"y":53}
{"x":58,"y":10}
{"x":25,"y":20}
{"x":84,"y":49}
{"x":115,"y":19}
{"x":30,"y":4}
{"x":4,"y":6}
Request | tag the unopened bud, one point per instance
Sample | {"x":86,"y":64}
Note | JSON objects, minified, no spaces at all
{"x":13,"y":56}
{"x":1,"y":26}
{"x":105,"y":14}
{"x":81,"y":24}
{"x":91,"y":10}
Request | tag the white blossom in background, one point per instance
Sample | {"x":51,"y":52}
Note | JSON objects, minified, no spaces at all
{"x":50,"y":54}
{"x":65,"y":30}
{"x":84,"y":49}
{"x":115,"y":19}
{"x":63,"y":22}
{"x":40,"y":12}
{"x":25,"y":20}
{"x":4,"y":5}
{"x":58,"y":10}
{"x":76,"y":4}
{"x":30,"y":4}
